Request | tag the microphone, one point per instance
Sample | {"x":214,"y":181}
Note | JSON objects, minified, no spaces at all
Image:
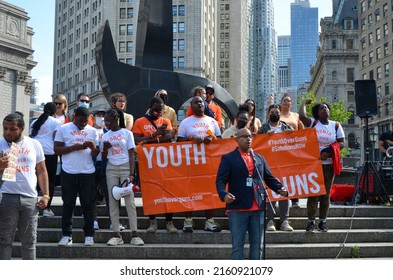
{"x":252,"y":154}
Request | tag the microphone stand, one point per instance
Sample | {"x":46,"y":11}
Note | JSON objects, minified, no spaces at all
{"x":264,"y":197}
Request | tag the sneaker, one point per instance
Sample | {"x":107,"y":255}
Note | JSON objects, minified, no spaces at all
{"x":171,"y":227}
{"x":89,"y":241}
{"x":285,"y":226}
{"x":137,"y":241}
{"x":115,"y":241}
{"x":96,"y":226}
{"x":270,"y":226}
{"x":48,"y":213}
{"x":310,"y":226}
{"x":122,"y":227}
{"x":295,"y":205}
{"x":322,"y":226}
{"x":187,"y":227}
{"x":152,"y":227}
{"x":210,"y":225}
{"x":65,"y":241}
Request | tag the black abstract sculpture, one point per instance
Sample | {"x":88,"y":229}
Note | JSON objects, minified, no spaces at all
{"x":153,"y":64}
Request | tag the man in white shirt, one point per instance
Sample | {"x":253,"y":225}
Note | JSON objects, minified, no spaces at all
{"x":77,"y":143}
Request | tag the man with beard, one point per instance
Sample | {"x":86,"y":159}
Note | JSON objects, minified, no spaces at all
{"x":169,"y":112}
{"x":199,"y":128}
{"x":19,"y":206}
{"x":77,"y":143}
{"x":153,"y":128}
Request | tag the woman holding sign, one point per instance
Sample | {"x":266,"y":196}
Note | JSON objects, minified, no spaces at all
{"x":274,"y":125}
{"x":331,"y":137}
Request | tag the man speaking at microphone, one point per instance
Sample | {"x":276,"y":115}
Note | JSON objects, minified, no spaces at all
{"x":244,"y":171}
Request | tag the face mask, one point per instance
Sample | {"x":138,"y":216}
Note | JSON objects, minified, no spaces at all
{"x":83,"y":104}
{"x":241,"y":124}
{"x":99,"y":121}
{"x":274,"y":118}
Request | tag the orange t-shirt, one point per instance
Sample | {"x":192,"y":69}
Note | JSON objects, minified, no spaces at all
{"x":144,"y":127}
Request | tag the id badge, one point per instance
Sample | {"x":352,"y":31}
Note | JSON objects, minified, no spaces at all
{"x":249,"y":182}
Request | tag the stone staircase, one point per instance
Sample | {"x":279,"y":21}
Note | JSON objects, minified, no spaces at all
{"x":364,"y":231}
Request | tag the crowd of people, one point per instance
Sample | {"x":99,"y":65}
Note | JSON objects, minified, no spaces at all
{"x":95,"y":151}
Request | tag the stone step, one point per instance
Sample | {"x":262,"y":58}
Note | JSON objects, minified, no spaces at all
{"x":210,"y":251}
{"x":199,"y":222}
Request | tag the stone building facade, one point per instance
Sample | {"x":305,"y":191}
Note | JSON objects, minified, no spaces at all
{"x":16,"y":61}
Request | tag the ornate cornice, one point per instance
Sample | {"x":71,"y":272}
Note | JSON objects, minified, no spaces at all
{"x":21,"y":77}
{"x":12,"y":58}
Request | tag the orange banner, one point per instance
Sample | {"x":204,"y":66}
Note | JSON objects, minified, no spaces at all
{"x":179,"y":177}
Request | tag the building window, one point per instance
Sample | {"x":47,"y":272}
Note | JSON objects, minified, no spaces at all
{"x":386,"y":109}
{"x":363,"y":24}
{"x":122,"y":13}
{"x":130,"y":12}
{"x":386,"y":49}
{"x":174,"y":60}
{"x":129,"y":61}
{"x":363,"y":7}
{"x":174,"y":27}
{"x":181,"y":45}
{"x":122,"y":29}
{"x":364,"y":60}
{"x":385,"y":9}
{"x":182,"y":10}
{"x":370,"y":38}
{"x":370,"y":57}
{"x":181,"y":27}
{"x":385,"y":30}
{"x":387,"y":89}
{"x":386,"y":69}
{"x":130,"y":29}
{"x":129,"y":46}
{"x":334,"y":76}
{"x":174,"y":45}
{"x":122,"y":47}
{"x":378,"y":34}
{"x":334,"y":44}
{"x":370,"y":19}
{"x":379,"y":73}
{"x":350,"y":75}
{"x":351,"y":96}
{"x":180,"y":62}
{"x":379,"y":54}
{"x":348,"y":23}
{"x":174,"y":10}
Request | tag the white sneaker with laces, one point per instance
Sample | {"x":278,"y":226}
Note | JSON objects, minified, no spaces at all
{"x":210,"y":225}
{"x":270,"y":226}
{"x":96,"y":226}
{"x":137,"y":241}
{"x":65,"y":241}
{"x":285,"y":226}
{"x":89,"y":241}
{"x":48,"y":213}
{"x":115,"y":241}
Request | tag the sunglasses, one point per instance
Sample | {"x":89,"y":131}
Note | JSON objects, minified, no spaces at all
{"x":58,"y":103}
{"x":84,"y":100}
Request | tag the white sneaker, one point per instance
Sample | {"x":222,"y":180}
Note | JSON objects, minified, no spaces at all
{"x":187,"y":227}
{"x":285,"y":226}
{"x":270,"y":226}
{"x":170,"y":227}
{"x":115,"y":241}
{"x":122,"y":227}
{"x":152,"y":227}
{"x":210,"y":225}
{"x":96,"y":226}
{"x":65,"y":241}
{"x":48,"y":213}
{"x":89,"y":241}
{"x":137,"y":241}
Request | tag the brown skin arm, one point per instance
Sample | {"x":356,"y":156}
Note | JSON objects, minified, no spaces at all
{"x":43,"y":182}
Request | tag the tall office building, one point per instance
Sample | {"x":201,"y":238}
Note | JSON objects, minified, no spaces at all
{"x":304,"y":41}
{"x":263,"y":72}
{"x":284,"y":60}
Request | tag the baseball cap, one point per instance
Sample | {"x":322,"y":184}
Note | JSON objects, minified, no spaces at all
{"x":210,"y":86}
{"x":98,"y":110}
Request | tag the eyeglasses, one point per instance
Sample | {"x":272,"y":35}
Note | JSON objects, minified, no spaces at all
{"x":84,"y":100}
{"x":58,"y":103}
{"x":287,"y":100}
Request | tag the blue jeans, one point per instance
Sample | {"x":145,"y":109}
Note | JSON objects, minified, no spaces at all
{"x":18,"y":212}
{"x":242,"y":222}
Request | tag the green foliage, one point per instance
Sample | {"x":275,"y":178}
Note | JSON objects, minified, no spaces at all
{"x":337,"y":113}
{"x":355,"y":251}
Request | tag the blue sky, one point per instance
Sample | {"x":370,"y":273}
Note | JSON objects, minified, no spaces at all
{"x":42,"y":13}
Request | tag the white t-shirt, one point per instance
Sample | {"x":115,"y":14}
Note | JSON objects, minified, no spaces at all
{"x":194,"y":126}
{"x":327,"y":135}
{"x":121,"y":141}
{"x":45,"y":134}
{"x":30,"y":155}
{"x":77,"y":162}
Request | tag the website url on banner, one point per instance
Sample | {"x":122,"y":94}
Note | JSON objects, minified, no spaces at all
{"x":177,"y":199}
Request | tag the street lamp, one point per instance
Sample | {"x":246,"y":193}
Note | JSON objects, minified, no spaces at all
{"x":373,"y":138}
